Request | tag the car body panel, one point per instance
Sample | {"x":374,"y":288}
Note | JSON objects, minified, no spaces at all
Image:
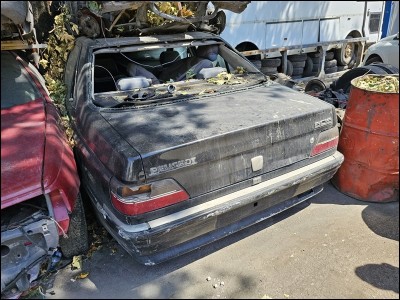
{"x":215,"y":147}
{"x":387,"y":49}
{"x":22,"y":150}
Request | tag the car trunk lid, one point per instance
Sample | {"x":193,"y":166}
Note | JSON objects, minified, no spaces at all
{"x":215,"y":141}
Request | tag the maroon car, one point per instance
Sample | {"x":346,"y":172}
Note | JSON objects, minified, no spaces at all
{"x":41,"y":206}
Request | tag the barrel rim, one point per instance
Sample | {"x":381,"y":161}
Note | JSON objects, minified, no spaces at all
{"x":353,"y":82}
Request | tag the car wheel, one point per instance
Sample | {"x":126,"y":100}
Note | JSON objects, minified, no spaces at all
{"x":374,"y":59}
{"x":77,"y":241}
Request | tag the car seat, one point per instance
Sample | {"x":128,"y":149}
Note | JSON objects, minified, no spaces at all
{"x":191,"y":65}
{"x":168,"y":57}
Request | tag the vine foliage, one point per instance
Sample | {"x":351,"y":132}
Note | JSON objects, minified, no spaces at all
{"x":54,"y":58}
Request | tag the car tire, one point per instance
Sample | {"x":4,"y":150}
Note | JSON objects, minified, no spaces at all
{"x":298,"y":64}
{"x":374,"y":59}
{"x":342,"y":68}
{"x":297,"y":57}
{"x":269,"y":70}
{"x":329,"y":56}
{"x":308,"y":68}
{"x":344,"y":81}
{"x":314,"y":54}
{"x":347,"y":53}
{"x":77,"y":241}
{"x":289,"y":69}
{"x":297,"y":71}
{"x":271,"y":62}
{"x":390,"y":69}
{"x":315,"y":60}
{"x":330,"y":70}
{"x":330,"y":63}
{"x":256,"y":63}
{"x":315,"y":68}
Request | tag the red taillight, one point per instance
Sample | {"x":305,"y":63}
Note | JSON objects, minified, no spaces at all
{"x":149,"y":197}
{"x":326,"y":145}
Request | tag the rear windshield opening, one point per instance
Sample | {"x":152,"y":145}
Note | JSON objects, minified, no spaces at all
{"x":130,"y":70}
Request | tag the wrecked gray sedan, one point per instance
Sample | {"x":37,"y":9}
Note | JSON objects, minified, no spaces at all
{"x":182,"y":141}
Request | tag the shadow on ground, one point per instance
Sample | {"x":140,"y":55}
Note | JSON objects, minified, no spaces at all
{"x":382,"y":276}
{"x":381,"y":218}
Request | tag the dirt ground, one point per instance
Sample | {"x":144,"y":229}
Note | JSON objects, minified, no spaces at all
{"x":330,"y":247}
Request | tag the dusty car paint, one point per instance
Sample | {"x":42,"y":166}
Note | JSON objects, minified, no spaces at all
{"x":259,"y":147}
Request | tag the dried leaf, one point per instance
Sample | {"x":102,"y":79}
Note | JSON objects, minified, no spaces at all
{"x":76,"y":262}
{"x":82,"y":275}
{"x":74,"y":27}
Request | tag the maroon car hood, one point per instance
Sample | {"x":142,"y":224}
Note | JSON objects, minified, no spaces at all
{"x":22,"y":150}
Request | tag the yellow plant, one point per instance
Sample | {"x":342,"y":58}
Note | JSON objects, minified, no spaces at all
{"x":170,"y":8}
{"x":59,"y":44}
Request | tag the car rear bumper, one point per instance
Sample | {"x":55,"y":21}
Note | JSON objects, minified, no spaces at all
{"x":178,"y":233}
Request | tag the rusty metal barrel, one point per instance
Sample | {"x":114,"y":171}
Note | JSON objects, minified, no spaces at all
{"x":369,"y":141}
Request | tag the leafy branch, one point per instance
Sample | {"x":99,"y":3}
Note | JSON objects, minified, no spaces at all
{"x":59,"y":44}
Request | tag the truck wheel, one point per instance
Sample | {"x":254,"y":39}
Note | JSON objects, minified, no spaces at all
{"x":77,"y":241}
{"x":271,"y":62}
{"x":346,"y":54}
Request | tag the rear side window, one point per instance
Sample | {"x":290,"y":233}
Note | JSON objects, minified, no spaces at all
{"x":16,"y":84}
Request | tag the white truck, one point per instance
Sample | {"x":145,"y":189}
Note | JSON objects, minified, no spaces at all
{"x":304,"y":38}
